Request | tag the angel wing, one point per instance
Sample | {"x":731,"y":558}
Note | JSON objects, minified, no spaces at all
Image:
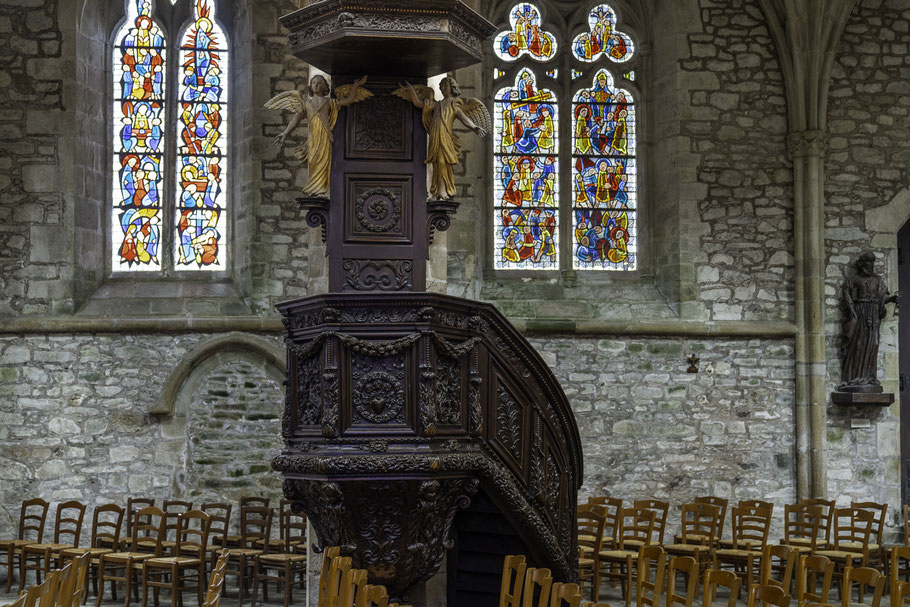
{"x":288,"y":100}
{"x":477,"y":112}
{"x":343,"y":91}
{"x":424,"y":93}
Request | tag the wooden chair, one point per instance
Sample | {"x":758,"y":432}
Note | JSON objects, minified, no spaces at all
{"x":147,"y":534}
{"x":565,"y":595}
{"x":172,"y":511}
{"x":537,"y":583}
{"x":352,"y":585}
{"x":864,"y":576}
{"x":876,"y":547}
{"x":372,"y":596}
{"x":513,"y":575}
{"x":255,"y":524}
{"x":661,"y":509}
{"x":786,"y":557}
{"x":285,"y":562}
{"x":688,"y":566}
{"x":750,"y":530}
{"x":277,"y":543}
{"x":32,"y":517}
{"x":802,"y":526}
{"x":328,"y":555}
{"x":852,"y":529}
{"x":45,"y":593}
{"x":337,"y":574}
{"x":725,"y":579}
{"x":67,"y":526}
{"x":20,"y":602}
{"x":648,"y":592}
{"x":107,"y":520}
{"x":216,"y":583}
{"x":807,"y":575}
{"x":591,"y":520}
{"x":188,"y":557}
{"x":613,"y":507}
{"x":235,"y":540}
{"x":219,"y":521}
{"x":826,"y":524}
{"x":699,"y":533}
{"x":900,"y":594}
{"x":134,"y":505}
{"x":699,"y":536}
{"x":768,"y":595}
{"x":728,"y":543}
{"x":900,"y":565}
{"x":74,"y":592}
{"x":635,"y":524}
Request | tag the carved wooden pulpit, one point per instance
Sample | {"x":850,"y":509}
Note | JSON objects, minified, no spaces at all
{"x":403,"y":406}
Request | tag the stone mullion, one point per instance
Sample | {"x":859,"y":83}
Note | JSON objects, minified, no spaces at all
{"x":566,"y":214}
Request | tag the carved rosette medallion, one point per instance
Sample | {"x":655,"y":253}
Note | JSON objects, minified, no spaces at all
{"x":378,"y":210}
{"x":378,"y":397}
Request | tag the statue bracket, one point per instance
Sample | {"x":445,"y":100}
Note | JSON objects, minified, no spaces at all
{"x":439,"y":216}
{"x":876,"y":399}
{"x":317,"y":215}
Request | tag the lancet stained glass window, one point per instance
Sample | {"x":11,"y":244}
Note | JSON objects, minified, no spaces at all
{"x":526,"y":177}
{"x":139,"y":140}
{"x":157,"y":123}
{"x":598,"y":172}
{"x":200,"y":216}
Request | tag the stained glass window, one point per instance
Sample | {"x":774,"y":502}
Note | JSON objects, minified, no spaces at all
{"x":602,"y":38}
{"x":525,"y":37}
{"x":139,"y":141}
{"x":526,"y":175}
{"x":200,"y":216}
{"x":157,"y":123}
{"x":604,"y":175}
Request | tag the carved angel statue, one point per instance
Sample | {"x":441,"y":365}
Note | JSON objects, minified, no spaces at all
{"x":444,"y":146}
{"x":321,"y":112}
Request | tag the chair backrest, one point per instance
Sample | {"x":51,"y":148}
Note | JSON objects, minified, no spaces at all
{"x":45,"y":593}
{"x":751,"y":526}
{"x":107,"y":521}
{"x":68,"y":525}
{"x":898,"y":553}
{"x":900,"y":592}
{"x":328,"y":555}
{"x":768,"y":595}
{"x":148,"y":530}
{"x":808,"y":572}
{"x":338,"y":573}
{"x":294,"y":529}
{"x":648,"y":592}
{"x":513,"y":575}
{"x":537,"y":581}
{"x":220,"y":512}
{"x":133,"y":505}
{"x":565,"y":595}
{"x":865,"y":576}
{"x":700,"y":519}
{"x":20,"y":602}
{"x":373,"y":596}
{"x":172,"y":510}
{"x":591,"y":519}
{"x":787,"y":557}
{"x":216,"y":581}
{"x":255,"y":524}
{"x":32,"y":518}
{"x":803,"y":521}
{"x":878,"y":522}
{"x":756,"y":504}
{"x":721,"y":503}
{"x":612,"y":509}
{"x":81,"y":565}
{"x":284,"y":506}
{"x":635,"y":524}
{"x":715,"y":578}
{"x":67,"y":581}
{"x":689,"y":566}
{"x":353,"y":582}
{"x":661,"y":509}
{"x":853,"y":526}
{"x":827,"y":515}
{"x":192,"y":533}
{"x":262,"y":502}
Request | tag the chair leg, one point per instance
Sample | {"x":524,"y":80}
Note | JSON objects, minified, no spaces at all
{"x":175,"y":585}
{"x":288,"y":582}
{"x":255,"y":583}
{"x":128,"y":574}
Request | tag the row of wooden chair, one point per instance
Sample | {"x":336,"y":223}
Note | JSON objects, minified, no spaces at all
{"x":340,"y":585}
{"x":807,"y":531}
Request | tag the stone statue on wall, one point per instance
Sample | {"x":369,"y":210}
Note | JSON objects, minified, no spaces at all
{"x":443,"y":145}
{"x":863,"y":299}
{"x":321,"y":112}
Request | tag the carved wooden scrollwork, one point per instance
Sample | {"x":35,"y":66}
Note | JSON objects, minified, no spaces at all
{"x":317,"y":215}
{"x":377,"y":275}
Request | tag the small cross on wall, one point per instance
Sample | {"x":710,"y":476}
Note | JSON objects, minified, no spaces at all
{"x":693,"y":364}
